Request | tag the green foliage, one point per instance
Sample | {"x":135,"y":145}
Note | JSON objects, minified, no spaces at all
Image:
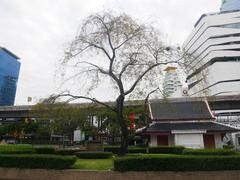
{"x":31,"y":127}
{"x":94,"y":164}
{"x":67,"y":151}
{"x":40,"y":142}
{"x":166,"y":149}
{"x":33,"y":161}
{"x":94,"y":155}
{"x":16,"y":149}
{"x":16,"y":130}
{"x":177,"y":163}
{"x":131,"y":149}
{"x":137,"y":150}
{"x":64,"y":117}
{"x":43,"y":131}
{"x":45,"y":150}
{"x":214,"y":152}
{"x":113,"y":149}
{"x":228,"y":147}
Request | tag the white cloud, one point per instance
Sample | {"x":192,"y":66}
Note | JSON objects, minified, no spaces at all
{"x":38,"y":30}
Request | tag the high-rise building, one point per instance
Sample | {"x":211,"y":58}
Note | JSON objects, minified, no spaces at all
{"x":214,"y":52}
{"x":9,"y":71}
{"x":171,"y":81}
{"x":230,"y":5}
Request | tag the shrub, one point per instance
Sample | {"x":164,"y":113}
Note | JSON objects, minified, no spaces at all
{"x":166,"y":149}
{"x":137,"y":150}
{"x":45,"y":150}
{"x":131,"y":149}
{"x":16,"y":149}
{"x":112,"y":149}
{"x":67,"y":151}
{"x":228,"y":147}
{"x":177,"y":163}
{"x":94,"y":155}
{"x":41,"y":142}
{"x":209,"y":152}
{"x":34,"y":161}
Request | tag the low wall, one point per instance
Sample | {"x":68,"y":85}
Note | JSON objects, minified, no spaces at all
{"x":38,"y":174}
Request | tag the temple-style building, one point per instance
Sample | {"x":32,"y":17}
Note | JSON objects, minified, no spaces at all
{"x":185,"y":121}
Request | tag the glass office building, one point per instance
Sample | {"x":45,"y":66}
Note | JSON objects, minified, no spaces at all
{"x":230,"y":5}
{"x":9,"y":71}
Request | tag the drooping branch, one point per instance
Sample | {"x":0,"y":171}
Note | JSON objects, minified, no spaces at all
{"x":74,"y":97}
{"x":145,"y":72}
{"x":134,"y":34}
{"x":94,"y":65}
{"x":108,"y":35}
{"x":146,"y":102}
{"x":132,"y":61}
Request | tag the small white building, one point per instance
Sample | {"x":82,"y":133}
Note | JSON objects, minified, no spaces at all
{"x":185,"y":121}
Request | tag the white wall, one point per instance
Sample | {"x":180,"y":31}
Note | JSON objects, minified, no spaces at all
{"x":235,"y":140}
{"x":218,"y":140}
{"x":189,"y":140}
{"x":153,"y":140}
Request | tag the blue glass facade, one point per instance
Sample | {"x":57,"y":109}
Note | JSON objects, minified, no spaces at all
{"x":9,"y":71}
{"x":230,"y":5}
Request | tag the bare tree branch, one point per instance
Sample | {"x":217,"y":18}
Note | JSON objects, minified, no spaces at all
{"x":94,"y":65}
{"x":73,"y":97}
{"x":145,"y":72}
{"x":146,"y":102}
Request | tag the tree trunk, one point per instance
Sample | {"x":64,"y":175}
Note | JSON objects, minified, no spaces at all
{"x":123,"y":125}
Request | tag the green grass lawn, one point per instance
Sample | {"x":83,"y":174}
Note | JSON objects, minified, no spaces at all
{"x":104,"y":164}
{"x":94,"y":164}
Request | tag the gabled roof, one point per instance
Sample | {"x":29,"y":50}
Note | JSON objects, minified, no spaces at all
{"x":187,"y":109}
{"x":169,"y":127}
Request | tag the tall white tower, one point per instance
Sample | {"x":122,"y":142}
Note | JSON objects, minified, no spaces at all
{"x":171,"y":81}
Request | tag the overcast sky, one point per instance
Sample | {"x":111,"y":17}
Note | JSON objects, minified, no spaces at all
{"x":38,"y":30}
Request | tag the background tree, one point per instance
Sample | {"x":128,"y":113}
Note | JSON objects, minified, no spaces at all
{"x":114,"y":48}
{"x":59,"y":118}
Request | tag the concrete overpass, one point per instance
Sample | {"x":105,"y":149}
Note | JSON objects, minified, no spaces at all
{"x":222,"y":103}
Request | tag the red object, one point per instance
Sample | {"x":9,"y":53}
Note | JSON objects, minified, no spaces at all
{"x":132,"y":126}
{"x":209,"y":141}
{"x":162,"y":140}
{"x":132,"y":117}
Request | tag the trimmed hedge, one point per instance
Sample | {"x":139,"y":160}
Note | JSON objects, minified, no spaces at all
{"x":45,"y":150}
{"x":67,"y":151}
{"x":17,"y":149}
{"x":94,"y":155}
{"x":116,"y":149}
{"x":228,"y":147}
{"x":137,"y":150}
{"x":214,"y":152}
{"x":36,"y":161}
{"x":166,"y":149}
{"x":177,"y":163}
{"x":41,"y":142}
{"x":112,"y":149}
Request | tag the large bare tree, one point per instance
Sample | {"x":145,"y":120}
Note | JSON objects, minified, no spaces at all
{"x":115,"y":48}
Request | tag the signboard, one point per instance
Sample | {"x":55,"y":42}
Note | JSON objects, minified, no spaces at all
{"x":78,"y":135}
